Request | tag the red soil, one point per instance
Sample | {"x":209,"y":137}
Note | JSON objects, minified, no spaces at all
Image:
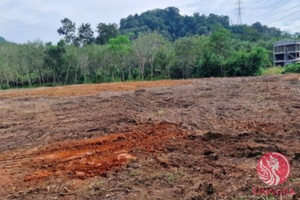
{"x":92,"y":157}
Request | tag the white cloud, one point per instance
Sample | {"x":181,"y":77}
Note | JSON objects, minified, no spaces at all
{"x":25,"y":20}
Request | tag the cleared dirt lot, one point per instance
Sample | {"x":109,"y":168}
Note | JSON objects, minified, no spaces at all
{"x":196,"y":139}
{"x":88,"y":89}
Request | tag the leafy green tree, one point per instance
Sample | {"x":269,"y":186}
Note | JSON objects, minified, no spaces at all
{"x":142,"y":54}
{"x":258,"y":26}
{"x":218,"y":49}
{"x":156,"y":43}
{"x":259,"y":56}
{"x":85,"y":35}
{"x":68,"y":30}
{"x":145,"y":48}
{"x":215,"y":20}
{"x":70,"y":64}
{"x":120,"y":46}
{"x":251,"y":34}
{"x":211,"y":65}
{"x":220,"y":41}
{"x":9,"y":69}
{"x":54,"y":60}
{"x":30,"y":61}
{"x":105,"y":32}
{"x":164,"y":60}
{"x":188,"y":51}
{"x":250,"y":63}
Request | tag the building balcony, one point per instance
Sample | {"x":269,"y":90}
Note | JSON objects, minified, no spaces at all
{"x":283,"y":52}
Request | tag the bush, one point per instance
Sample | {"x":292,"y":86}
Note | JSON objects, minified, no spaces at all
{"x":293,"y":68}
{"x":273,"y":70}
{"x":4,"y":86}
{"x":251,"y":63}
{"x":211,"y":65}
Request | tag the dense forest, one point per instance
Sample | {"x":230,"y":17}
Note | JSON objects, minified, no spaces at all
{"x":158,"y":44}
{"x":172,"y":25}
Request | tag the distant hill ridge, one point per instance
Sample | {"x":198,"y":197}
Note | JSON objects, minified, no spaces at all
{"x":170,"y":23}
{"x":2,"y":39}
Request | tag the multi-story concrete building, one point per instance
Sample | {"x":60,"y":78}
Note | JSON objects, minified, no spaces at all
{"x":286,"y":52}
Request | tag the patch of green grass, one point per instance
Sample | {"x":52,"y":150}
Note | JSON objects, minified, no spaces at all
{"x":133,"y":173}
{"x":160,"y":112}
{"x":170,"y":178}
{"x":260,"y":99}
{"x":273,"y":70}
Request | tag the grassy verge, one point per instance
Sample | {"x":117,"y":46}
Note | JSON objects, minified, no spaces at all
{"x":273,"y":70}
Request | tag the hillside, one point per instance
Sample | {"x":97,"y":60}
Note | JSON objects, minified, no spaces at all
{"x":170,"y":23}
{"x":2,"y":39}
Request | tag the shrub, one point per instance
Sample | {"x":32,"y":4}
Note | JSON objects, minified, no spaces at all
{"x":4,"y":86}
{"x":273,"y":70}
{"x":251,"y":63}
{"x":293,"y":68}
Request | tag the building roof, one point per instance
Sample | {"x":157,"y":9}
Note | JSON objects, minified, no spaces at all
{"x":286,"y":42}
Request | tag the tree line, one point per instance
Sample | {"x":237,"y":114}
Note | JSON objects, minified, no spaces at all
{"x":164,"y":50}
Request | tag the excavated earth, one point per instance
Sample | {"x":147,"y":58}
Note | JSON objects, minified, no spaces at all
{"x":193,"y":139}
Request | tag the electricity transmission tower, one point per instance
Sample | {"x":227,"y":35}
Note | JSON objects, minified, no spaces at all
{"x":239,"y":8}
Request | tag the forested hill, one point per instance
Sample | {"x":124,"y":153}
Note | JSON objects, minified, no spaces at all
{"x":172,"y":25}
{"x":2,"y":39}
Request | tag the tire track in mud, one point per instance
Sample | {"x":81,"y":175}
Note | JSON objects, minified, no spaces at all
{"x":90,"y":157}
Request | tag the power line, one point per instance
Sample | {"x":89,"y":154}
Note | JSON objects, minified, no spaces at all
{"x":263,"y":3}
{"x":278,"y":7}
{"x":287,"y":15}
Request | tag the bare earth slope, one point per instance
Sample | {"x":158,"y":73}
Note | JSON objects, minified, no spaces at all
{"x":196,"y":139}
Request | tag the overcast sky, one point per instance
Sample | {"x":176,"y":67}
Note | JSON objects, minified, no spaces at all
{"x":28,"y":20}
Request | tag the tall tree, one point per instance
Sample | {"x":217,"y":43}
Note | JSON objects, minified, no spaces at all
{"x":54,"y":60}
{"x":141,"y":52}
{"x":149,"y":44}
{"x":105,"y":32}
{"x":120,"y":46}
{"x":85,"y":34}
{"x":145,"y":48}
{"x":217,"y":51}
{"x":188,"y":51}
{"x":68,"y":30}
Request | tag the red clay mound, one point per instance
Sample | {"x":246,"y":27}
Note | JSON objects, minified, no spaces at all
{"x":92,"y":157}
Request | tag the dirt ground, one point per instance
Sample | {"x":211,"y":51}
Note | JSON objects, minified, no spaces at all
{"x":88,"y":89}
{"x":195,"y":139}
